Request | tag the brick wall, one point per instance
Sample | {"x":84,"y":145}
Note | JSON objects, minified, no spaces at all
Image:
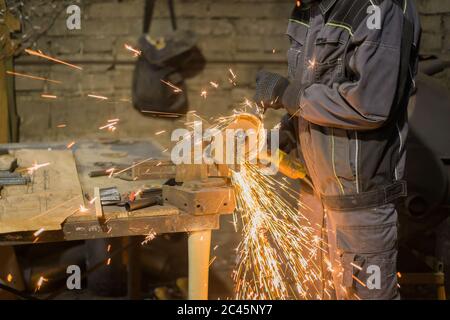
{"x":244,"y":35}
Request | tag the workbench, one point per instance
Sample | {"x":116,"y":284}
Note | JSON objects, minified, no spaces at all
{"x":118,"y":222}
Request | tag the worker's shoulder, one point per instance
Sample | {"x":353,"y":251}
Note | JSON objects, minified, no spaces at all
{"x":353,"y":12}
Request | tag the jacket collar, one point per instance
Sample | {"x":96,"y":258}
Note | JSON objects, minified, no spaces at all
{"x":325,"y":5}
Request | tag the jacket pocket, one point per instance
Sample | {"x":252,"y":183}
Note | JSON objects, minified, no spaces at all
{"x":329,"y":72}
{"x":329,"y":64}
{"x":297,"y":36}
{"x":340,"y":160}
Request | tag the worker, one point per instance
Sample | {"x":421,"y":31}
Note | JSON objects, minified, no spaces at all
{"x":351,"y":69}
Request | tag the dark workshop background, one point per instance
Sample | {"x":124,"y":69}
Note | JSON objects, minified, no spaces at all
{"x":237,"y":34}
{"x":240,"y":34}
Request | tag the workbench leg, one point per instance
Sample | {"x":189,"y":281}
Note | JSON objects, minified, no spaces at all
{"x":134,"y":270}
{"x":199,"y":243}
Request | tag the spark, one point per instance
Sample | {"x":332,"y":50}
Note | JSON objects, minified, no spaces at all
{"x":9,"y":278}
{"x":41,"y":55}
{"x":38,"y":232}
{"x":233,"y":77}
{"x":70,"y":145}
{"x":108,"y":262}
{"x":93,"y":200}
{"x":40,"y":282}
{"x":204,"y":94}
{"x":49,"y":96}
{"x":212,"y":261}
{"x":232,"y":73}
{"x":359,"y":281}
{"x":83,"y":209}
{"x":160,"y":132}
{"x":356,"y":266}
{"x":97,"y":97}
{"x":109,"y":125}
{"x":136,"y":52}
{"x":108,"y":249}
{"x":111,"y":172}
{"x":17,"y":74}
{"x":113,"y":120}
{"x":174,"y":87}
{"x":214,"y":84}
{"x":274,"y":51}
{"x":36,"y":167}
{"x":62,"y":125}
{"x":312,"y":63}
{"x":149,"y":237}
{"x":133,"y":166}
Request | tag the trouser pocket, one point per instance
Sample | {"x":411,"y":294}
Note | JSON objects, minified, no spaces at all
{"x":370,"y":277}
{"x":365,"y":253}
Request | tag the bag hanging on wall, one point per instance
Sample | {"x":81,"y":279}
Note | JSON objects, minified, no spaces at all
{"x":158,"y":87}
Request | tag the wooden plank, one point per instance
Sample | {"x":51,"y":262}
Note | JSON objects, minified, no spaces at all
{"x":53,"y":194}
{"x":122,"y":227}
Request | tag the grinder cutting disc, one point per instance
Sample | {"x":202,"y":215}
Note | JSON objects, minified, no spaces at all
{"x":250,"y":128}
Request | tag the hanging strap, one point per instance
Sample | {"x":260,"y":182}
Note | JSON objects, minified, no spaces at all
{"x":149,"y":11}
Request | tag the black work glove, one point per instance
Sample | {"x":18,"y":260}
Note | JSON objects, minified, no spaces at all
{"x":288,"y":133}
{"x":287,"y":139}
{"x":270,"y":88}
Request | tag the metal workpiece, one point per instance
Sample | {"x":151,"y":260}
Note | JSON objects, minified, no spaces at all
{"x":209,"y":197}
{"x":9,"y":179}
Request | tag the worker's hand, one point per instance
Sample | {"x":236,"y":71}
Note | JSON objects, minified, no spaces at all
{"x":288,"y":134}
{"x":270,"y":88}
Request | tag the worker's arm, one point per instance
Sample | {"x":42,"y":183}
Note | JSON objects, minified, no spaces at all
{"x":364,"y":103}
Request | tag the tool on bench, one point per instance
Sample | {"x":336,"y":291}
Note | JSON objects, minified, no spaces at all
{"x":8,"y":164}
{"x":10,"y":178}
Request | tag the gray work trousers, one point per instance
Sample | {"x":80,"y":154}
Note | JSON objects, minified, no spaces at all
{"x":362,"y":251}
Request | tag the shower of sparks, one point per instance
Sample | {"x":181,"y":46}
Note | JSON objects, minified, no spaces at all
{"x":41,"y":55}
{"x":135,"y":52}
{"x":40,"y":282}
{"x":149,"y":237}
{"x":97,"y":97}
{"x":17,"y":74}
{"x":49,"y":96}
{"x":36,"y":167}
{"x":276,"y":257}
{"x":174,"y":87}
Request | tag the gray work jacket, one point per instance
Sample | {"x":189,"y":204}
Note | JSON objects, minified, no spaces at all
{"x":352,"y":65}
